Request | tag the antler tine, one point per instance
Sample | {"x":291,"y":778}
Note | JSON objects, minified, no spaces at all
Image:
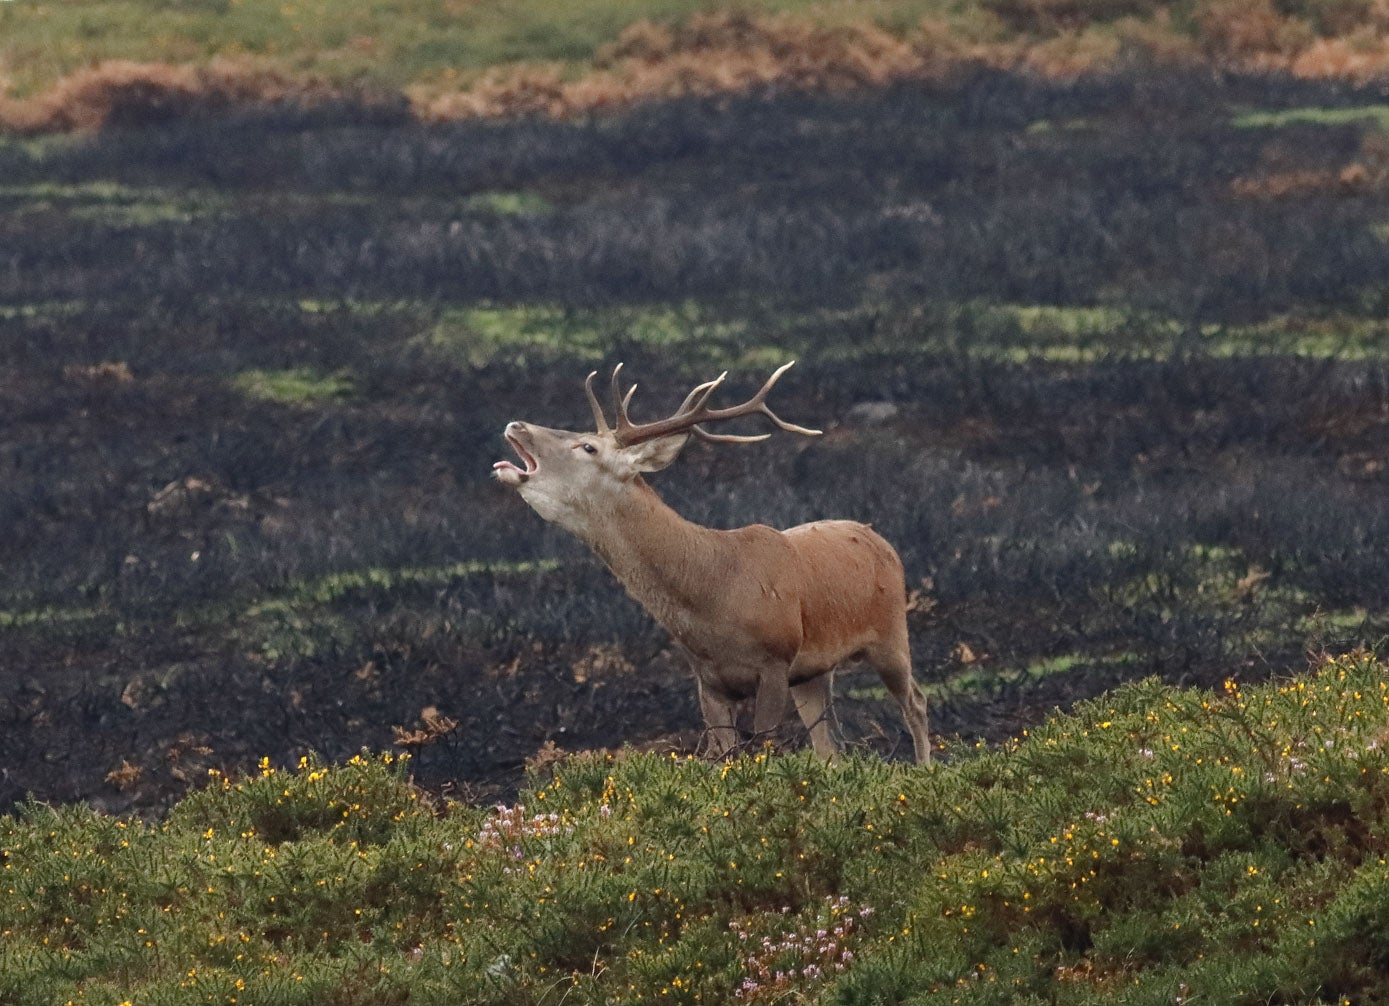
{"x":620,"y":403}
{"x":728,"y":438}
{"x":760,"y":399}
{"x":600,"y":420}
{"x":707,"y":388}
{"x":693,"y":412}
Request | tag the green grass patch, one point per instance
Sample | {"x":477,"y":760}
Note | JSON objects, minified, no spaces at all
{"x":38,"y":617}
{"x":335,"y":586}
{"x":307,"y":618}
{"x":509,"y":204}
{"x":358,"y":306}
{"x":113,"y":203}
{"x":300,"y":602}
{"x":1080,"y":334}
{"x":1376,"y":116}
{"x":1198,"y":577}
{"x":1156,"y":844}
{"x":303,"y":618}
{"x":1321,"y":623}
{"x":1344,"y":336}
{"x":1066,"y":662}
{"x":1041,"y":127}
{"x":540,"y":333}
{"x":1058,"y":333}
{"x":1004,"y":332}
{"x":987,"y":678}
{"x":295,"y":386}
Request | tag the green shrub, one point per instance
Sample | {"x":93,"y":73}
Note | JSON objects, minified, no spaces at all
{"x":1155,"y":845}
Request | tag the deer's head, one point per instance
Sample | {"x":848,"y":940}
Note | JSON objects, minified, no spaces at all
{"x":569,"y":478}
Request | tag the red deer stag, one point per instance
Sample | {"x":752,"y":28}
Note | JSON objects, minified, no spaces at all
{"x":759,"y":612}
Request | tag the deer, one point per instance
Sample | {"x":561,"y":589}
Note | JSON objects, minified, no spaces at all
{"x":759,"y":613}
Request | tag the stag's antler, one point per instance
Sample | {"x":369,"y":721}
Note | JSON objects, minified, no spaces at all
{"x":600,"y":421}
{"x":691,"y":413}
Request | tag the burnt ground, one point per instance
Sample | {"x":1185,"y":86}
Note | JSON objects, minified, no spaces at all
{"x":1105,"y":360}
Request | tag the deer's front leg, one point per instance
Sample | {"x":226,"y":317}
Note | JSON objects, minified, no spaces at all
{"x":720,"y":734}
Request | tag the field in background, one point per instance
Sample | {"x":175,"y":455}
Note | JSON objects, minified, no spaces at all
{"x":1104,"y":358}
{"x":70,"y":66}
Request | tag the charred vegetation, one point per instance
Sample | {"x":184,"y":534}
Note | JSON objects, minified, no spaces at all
{"x":1112,"y":383}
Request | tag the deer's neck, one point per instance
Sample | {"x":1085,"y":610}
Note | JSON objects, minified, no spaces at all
{"x":666,"y":562}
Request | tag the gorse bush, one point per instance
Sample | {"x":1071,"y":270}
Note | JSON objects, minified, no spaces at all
{"x":1158,"y":845}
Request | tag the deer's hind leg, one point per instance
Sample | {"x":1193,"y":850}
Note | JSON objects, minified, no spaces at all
{"x":893,"y":662}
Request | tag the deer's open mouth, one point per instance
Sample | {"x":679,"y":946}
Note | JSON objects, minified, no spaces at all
{"x":506,"y":471}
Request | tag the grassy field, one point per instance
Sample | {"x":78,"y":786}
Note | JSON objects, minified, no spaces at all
{"x":1156,"y":846}
{"x":394,"y":44}
{"x":66,"y":65}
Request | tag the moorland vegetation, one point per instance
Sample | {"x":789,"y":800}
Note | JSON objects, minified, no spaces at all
{"x":1157,"y":846}
{"x":1099,"y":345}
{"x":65,"y":66}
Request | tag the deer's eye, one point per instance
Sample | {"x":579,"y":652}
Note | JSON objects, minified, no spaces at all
{"x":589,"y":448}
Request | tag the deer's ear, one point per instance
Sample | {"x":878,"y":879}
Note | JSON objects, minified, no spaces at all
{"x":654,"y":455}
